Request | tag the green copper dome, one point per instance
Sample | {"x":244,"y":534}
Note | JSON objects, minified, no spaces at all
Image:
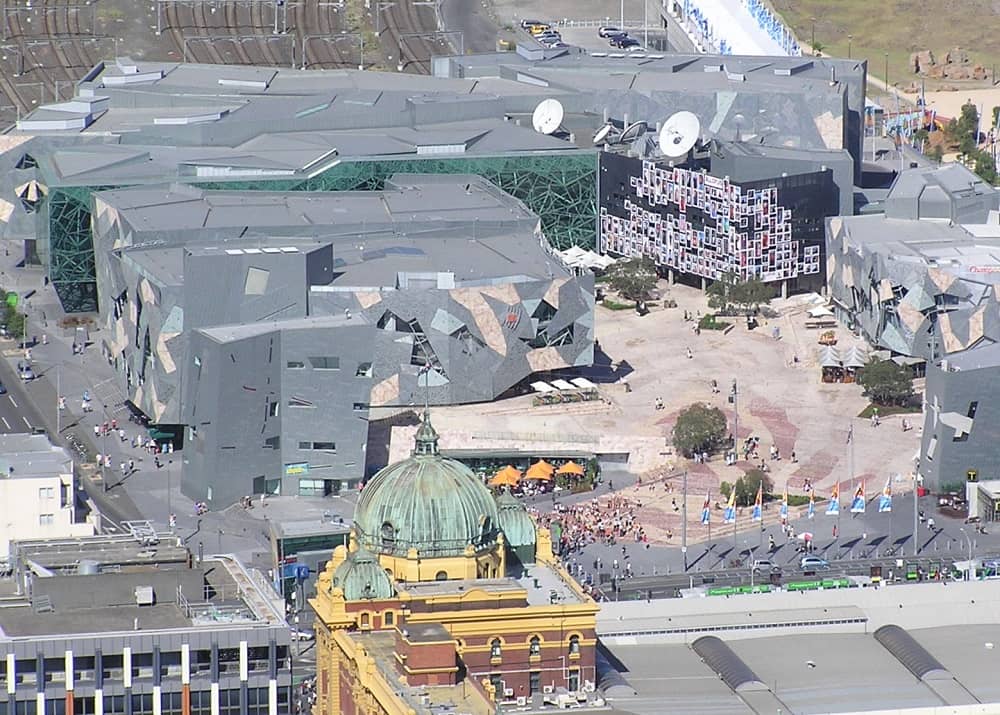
{"x":516,"y":524}
{"x":432,"y":504}
{"x":361,"y":577}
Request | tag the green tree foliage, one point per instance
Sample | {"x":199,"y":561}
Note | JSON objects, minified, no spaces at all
{"x":887,"y":383}
{"x":963,"y":133}
{"x":729,"y":291}
{"x":699,"y":428}
{"x":720,"y":292}
{"x":12,"y":318}
{"x":633,"y":279}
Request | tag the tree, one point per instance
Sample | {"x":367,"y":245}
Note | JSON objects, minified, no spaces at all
{"x":887,"y":383}
{"x":720,"y":292}
{"x":752,"y":481}
{"x":699,"y":428}
{"x":634,"y":278}
{"x":986,"y":168}
{"x":935,"y":153}
{"x":752,"y":294}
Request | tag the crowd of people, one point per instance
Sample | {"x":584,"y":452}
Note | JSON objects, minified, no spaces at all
{"x":601,"y":520}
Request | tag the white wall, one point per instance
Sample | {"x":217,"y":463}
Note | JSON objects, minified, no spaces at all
{"x":24,"y":501}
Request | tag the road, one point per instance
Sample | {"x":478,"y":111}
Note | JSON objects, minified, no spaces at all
{"x":667,"y":586}
{"x":17,"y":411}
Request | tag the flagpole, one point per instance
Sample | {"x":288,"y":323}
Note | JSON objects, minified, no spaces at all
{"x":684,"y":522}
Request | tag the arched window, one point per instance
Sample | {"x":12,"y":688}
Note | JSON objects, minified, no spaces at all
{"x":365,"y":620}
{"x":574,"y":645}
{"x":535,"y":646}
{"x":441,"y":576}
{"x":389,"y":618}
{"x":496,"y":650}
{"x":388,"y":534}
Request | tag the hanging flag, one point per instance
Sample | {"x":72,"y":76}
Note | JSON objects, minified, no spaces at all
{"x":758,"y":503}
{"x":729,"y":515}
{"x":706,"y":514}
{"x":885,"y":501}
{"x":858,"y":505}
{"x":834,"y":508}
{"x":812,"y":504}
{"x":783,"y":513}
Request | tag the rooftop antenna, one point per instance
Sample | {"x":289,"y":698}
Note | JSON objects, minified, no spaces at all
{"x":632,"y":131}
{"x":548,"y":116}
{"x":679,"y":134}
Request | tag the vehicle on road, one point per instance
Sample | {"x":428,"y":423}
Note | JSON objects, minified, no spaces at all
{"x":813,"y":563}
{"x":609,"y":31}
{"x":539,"y":29}
{"x":525,"y":24}
{"x":3,"y":389}
{"x":24,"y":371}
{"x":624,"y":42}
{"x":763,"y":566}
{"x":550,"y":36}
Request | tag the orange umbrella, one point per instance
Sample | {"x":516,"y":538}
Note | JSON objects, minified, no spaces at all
{"x":570,"y":468}
{"x":508,"y":476}
{"x":540,"y":470}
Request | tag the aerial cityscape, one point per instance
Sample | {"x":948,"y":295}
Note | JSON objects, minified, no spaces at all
{"x":438,"y":357}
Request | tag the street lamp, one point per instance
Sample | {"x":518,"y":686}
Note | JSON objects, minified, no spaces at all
{"x":886,"y":71}
{"x":850,"y":38}
{"x":813,"y":19}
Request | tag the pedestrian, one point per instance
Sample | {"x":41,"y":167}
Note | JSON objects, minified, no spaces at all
{"x":121,"y":434}
{"x":107,"y":461}
{"x":97,"y":430}
{"x":690,"y":354}
{"x":835,"y":531}
{"x":173,"y":521}
{"x":131,"y":465}
{"x":114,"y":424}
{"x":121,"y":468}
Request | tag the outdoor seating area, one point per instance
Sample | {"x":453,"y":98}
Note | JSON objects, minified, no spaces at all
{"x":841,"y":367}
{"x":578,"y":389}
{"x":540,"y":477}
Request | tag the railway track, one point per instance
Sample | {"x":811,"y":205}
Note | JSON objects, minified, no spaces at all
{"x":405,"y":19}
{"x":311,"y":21}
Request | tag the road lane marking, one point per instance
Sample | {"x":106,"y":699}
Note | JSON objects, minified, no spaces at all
{"x":26,"y":422}
{"x":5,"y":422}
{"x":9,"y":397}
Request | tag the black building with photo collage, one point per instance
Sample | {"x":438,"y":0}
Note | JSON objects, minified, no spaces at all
{"x":698,"y":225}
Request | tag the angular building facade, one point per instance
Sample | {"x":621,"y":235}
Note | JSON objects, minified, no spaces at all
{"x":269,"y":324}
{"x":921,"y":281}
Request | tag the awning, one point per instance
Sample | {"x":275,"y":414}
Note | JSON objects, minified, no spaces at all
{"x":570,"y":468}
{"x":820,"y":312}
{"x":542,"y":387}
{"x":829,"y":356}
{"x":508,"y":476}
{"x":562,"y":385}
{"x":583,"y":383}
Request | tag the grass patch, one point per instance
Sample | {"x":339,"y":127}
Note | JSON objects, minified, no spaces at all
{"x":710,"y":322}
{"x":802,"y":500}
{"x":885,"y":410}
{"x":898,"y":28}
{"x":615,"y":305}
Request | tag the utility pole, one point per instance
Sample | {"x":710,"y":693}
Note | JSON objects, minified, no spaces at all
{"x":735,"y":394}
{"x":684,"y":520}
{"x":916,"y":512}
{"x":622,"y":26}
{"x":59,"y":401}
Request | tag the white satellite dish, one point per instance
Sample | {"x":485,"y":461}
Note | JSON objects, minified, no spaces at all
{"x":679,"y":134}
{"x":547,"y":117}
{"x":602,"y":134}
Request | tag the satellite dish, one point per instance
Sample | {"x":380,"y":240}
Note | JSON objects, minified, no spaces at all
{"x":679,"y":134}
{"x":547,"y":117}
{"x":632,"y":131}
{"x":602,"y":134}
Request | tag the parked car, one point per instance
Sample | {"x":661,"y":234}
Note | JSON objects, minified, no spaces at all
{"x":300,"y":634}
{"x":25,"y":372}
{"x":525,"y":24}
{"x":539,"y":29}
{"x":557,"y":45}
{"x":813,"y":563}
{"x":763,"y":566}
{"x":3,"y":389}
{"x":548,"y":35}
{"x":609,"y":31}
{"x":624,"y":42}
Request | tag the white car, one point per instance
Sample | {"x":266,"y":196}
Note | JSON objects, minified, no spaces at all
{"x":302,"y":635}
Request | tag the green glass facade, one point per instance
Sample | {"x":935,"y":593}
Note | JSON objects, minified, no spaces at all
{"x":560,"y":187}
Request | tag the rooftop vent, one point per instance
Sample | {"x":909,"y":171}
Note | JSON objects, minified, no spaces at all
{"x":144,"y":596}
